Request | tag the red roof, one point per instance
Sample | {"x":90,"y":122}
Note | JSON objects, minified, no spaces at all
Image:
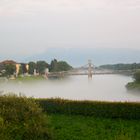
{"x":8,"y":62}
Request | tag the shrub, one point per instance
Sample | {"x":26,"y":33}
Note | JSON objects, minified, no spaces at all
{"x":21,"y":119}
{"x":92,"y":108}
{"x":137,"y":76}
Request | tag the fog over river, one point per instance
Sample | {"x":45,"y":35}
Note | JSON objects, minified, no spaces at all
{"x":100,"y":87}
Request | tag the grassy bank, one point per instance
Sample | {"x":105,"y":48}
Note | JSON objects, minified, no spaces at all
{"x":91,"y":108}
{"x":29,"y":78}
{"x":71,"y":127}
{"x":22,"y":118}
{"x":90,"y":120}
{"x":133,"y":86}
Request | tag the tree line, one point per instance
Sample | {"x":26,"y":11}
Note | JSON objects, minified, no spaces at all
{"x":54,"y":66}
{"x":133,"y":66}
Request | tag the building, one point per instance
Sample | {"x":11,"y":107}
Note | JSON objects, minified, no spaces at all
{"x":23,"y":66}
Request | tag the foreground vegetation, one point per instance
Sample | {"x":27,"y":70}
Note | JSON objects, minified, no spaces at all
{"x":21,"y":118}
{"x":91,"y":108}
{"x":75,"y":127}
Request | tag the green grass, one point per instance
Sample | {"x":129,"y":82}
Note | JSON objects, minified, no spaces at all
{"x":22,"y":118}
{"x":29,"y":78}
{"x":89,"y":128}
{"x":122,"y":110}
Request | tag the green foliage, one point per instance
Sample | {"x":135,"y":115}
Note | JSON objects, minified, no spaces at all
{"x":63,"y":66}
{"x":132,"y":66}
{"x":135,"y":86}
{"x":91,"y":108}
{"x":9,"y":69}
{"x":89,"y":128}
{"x":41,"y":66}
{"x":57,"y":66}
{"x":137,"y":76}
{"x":21,"y":119}
{"x":29,"y":79}
{"x":54,"y":65}
{"x":32,"y":66}
{"x":20,"y":70}
{"x":23,"y":68}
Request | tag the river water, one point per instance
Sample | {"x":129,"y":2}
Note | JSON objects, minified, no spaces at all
{"x":100,"y":87}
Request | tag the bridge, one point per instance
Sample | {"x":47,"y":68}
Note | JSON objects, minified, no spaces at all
{"x":88,"y":69}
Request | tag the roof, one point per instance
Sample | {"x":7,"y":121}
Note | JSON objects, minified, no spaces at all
{"x":8,"y":62}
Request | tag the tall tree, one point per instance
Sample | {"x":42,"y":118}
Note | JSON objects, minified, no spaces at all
{"x":53,"y":65}
{"x":32,"y":66}
{"x":57,"y":66}
{"x":10,"y":69}
{"x":23,"y":67}
{"x":41,"y":66}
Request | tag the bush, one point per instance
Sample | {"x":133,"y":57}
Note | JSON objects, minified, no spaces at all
{"x":137,"y":76}
{"x":91,"y":108}
{"x":21,"y":119}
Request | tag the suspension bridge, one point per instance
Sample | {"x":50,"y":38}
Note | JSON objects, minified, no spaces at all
{"x":88,"y":69}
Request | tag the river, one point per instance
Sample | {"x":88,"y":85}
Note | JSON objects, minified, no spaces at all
{"x":100,"y":88}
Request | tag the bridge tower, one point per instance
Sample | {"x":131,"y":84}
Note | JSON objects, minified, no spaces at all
{"x":89,"y":69}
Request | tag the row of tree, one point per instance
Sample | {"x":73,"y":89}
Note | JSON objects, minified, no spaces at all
{"x":39,"y":66}
{"x":54,"y":66}
{"x":132,"y":66}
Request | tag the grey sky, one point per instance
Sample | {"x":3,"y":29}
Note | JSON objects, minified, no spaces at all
{"x":30,"y":27}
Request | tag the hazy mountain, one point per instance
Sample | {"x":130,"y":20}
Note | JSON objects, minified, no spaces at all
{"x":80,"y":56}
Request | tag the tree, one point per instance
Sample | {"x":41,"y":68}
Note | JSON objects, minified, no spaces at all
{"x":133,"y":66}
{"x":32,"y":66}
{"x":57,"y":66}
{"x":21,"y":118}
{"x":137,"y":76}
{"x":20,"y":70}
{"x":53,"y":65}
{"x":10,"y":69}
{"x":63,"y":66}
{"x":41,"y":66}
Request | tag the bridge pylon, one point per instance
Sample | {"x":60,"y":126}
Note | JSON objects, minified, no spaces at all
{"x":89,"y":69}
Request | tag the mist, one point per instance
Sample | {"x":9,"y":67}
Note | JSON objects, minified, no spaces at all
{"x":99,"y":88}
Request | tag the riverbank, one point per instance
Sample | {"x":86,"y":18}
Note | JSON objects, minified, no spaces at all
{"x":135,"y":86}
{"x":87,"y":120}
{"x":121,"y":110}
{"x":56,"y":119}
{"x":24,"y":79}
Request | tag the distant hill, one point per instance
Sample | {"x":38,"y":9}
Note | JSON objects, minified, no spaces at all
{"x":78,"y":57}
{"x":132,"y":66}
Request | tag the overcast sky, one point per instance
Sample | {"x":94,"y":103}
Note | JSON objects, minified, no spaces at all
{"x":31,"y":27}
